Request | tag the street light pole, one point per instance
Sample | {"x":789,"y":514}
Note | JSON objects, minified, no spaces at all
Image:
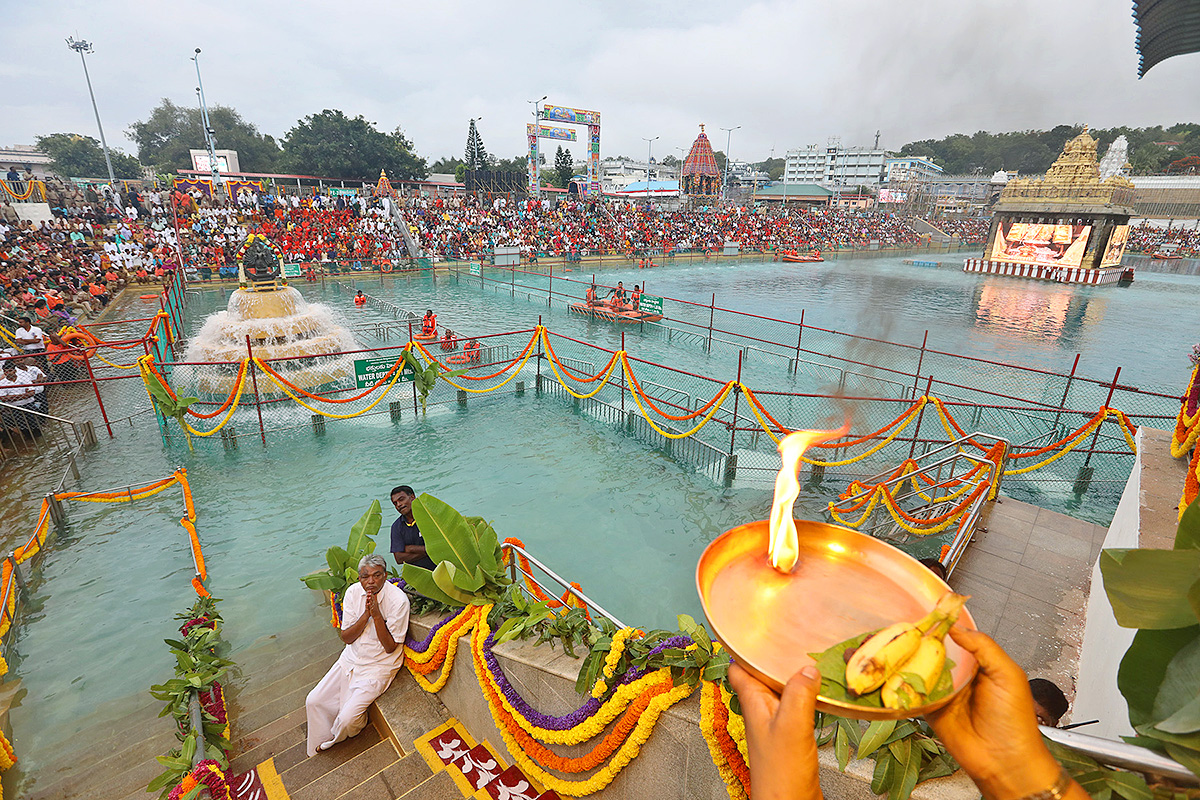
{"x":537,"y":122}
{"x":649,"y":145}
{"x":209,"y":139}
{"x":82,"y":47}
{"x":728,"y":138}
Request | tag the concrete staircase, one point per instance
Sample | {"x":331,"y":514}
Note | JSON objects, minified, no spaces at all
{"x":114,"y":759}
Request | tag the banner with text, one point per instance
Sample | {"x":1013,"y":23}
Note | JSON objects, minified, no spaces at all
{"x":369,"y":371}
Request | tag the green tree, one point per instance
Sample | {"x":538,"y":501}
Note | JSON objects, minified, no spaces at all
{"x":564,"y":167}
{"x":475,"y":156}
{"x":446,"y":166}
{"x":165,"y":138}
{"x":332,"y":145}
{"x":76,"y":156}
{"x":518,"y":163}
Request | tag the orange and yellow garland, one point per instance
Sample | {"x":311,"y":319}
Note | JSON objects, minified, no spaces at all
{"x":1184,"y":438}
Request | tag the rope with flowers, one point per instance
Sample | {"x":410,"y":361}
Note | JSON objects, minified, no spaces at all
{"x":446,"y":368}
{"x":208,"y":773}
{"x":1187,"y":422}
{"x":284,"y":385}
{"x":397,"y":365}
{"x":1191,"y":483}
{"x":713,"y":405}
{"x":519,"y":361}
{"x":914,"y":525}
{"x":32,"y":187}
{"x":724,"y":749}
{"x":608,"y":757}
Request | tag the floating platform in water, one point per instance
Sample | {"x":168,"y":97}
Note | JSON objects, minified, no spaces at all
{"x":913,"y":262}
{"x":1102,"y":276}
{"x":610,"y":314}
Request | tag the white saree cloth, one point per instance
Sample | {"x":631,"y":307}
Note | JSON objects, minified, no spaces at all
{"x":337,"y":706}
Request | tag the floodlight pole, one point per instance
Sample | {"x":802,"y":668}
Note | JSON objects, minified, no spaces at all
{"x":82,"y":47}
{"x":649,"y":145}
{"x":209,"y":140}
{"x":728,"y":138}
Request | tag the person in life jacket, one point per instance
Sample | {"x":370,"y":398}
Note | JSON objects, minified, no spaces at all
{"x":616,"y":298}
{"x":471,"y":349}
{"x":429,"y":323}
{"x":448,"y":342}
{"x":636,"y":297}
{"x":360,"y":299}
{"x":591,"y":295}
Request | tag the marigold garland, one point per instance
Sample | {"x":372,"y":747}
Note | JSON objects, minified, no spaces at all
{"x":626,"y":738}
{"x":730,"y":762}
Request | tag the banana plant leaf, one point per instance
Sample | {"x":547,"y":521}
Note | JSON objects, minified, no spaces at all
{"x":421,"y":580}
{"x":1148,"y":589}
{"x":362,"y":534}
{"x":447,"y":535}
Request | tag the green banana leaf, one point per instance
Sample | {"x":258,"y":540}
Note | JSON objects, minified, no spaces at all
{"x":1144,"y":665}
{"x":362,"y":535}
{"x":447,"y":535}
{"x":1176,"y":704}
{"x":443,"y":576}
{"x":421,"y":580}
{"x":1149,"y":589}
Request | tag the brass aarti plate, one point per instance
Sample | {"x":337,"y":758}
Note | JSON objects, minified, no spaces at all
{"x":844,"y":583}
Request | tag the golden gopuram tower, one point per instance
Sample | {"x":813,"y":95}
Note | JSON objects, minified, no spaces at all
{"x":1068,"y":225}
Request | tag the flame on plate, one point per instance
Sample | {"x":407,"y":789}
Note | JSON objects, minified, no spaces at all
{"x":784,"y":547}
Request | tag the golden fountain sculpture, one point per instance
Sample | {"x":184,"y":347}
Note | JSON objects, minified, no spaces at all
{"x":274,"y":321}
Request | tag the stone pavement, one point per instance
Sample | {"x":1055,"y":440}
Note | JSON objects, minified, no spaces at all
{"x":1028,"y":571}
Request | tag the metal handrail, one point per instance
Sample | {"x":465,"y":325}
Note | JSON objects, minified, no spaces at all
{"x":514,"y":568}
{"x":1120,"y":754}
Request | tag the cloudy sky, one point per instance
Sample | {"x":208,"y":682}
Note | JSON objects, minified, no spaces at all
{"x":789,"y":73}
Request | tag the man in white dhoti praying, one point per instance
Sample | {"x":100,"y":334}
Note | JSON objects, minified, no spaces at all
{"x":374,"y":623}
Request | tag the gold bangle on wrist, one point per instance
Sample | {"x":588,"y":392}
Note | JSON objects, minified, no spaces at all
{"x":1057,"y":790}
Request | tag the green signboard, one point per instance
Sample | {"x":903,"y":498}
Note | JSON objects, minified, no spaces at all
{"x":650,"y":304}
{"x":476,"y":268}
{"x":292,"y":270}
{"x":368,"y":371}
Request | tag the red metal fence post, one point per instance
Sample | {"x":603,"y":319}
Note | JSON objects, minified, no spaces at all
{"x":920,"y":414}
{"x":92,"y":377}
{"x":1066,"y":391}
{"x":920,"y":361}
{"x":257,"y":399}
{"x":712,"y":308}
{"x":1095,"y":436}
{"x":799,"y":340}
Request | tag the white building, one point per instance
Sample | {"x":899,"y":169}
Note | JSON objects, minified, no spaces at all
{"x":619,"y":173}
{"x":834,"y":166}
{"x":910,"y":168}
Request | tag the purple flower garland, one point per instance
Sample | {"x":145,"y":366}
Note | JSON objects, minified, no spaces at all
{"x":584,"y":712}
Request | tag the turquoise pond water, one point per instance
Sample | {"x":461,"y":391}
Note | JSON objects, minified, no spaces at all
{"x":597,"y":506}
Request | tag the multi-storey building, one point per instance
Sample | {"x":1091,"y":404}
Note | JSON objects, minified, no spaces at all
{"x":834,"y":166}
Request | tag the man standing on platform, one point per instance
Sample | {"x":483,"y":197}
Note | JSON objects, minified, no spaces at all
{"x":408,"y":547}
{"x":374,"y":623}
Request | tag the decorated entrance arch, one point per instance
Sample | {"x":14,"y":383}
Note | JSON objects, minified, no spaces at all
{"x":571,"y":116}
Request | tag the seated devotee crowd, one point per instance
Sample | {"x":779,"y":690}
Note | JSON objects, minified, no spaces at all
{"x":314,"y":228}
{"x":969,"y":229}
{"x":1149,"y":239}
{"x":465,"y":227}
